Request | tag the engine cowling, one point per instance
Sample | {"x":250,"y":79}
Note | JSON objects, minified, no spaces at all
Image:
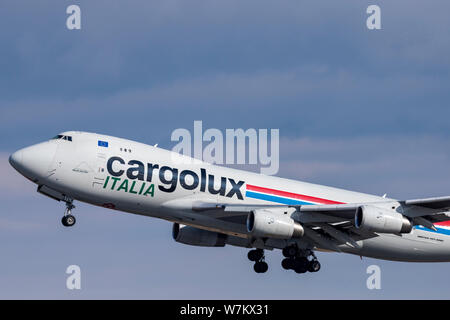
{"x":197,"y":237}
{"x":264,"y":223}
{"x":380,"y":220}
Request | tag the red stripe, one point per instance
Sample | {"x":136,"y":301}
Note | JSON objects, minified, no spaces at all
{"x":443,"y":223}
{"x":291,"y":195}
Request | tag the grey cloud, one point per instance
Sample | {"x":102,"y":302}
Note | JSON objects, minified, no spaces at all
{"x":144,"y":43}
{"x":371,"y":108}
{"x":293,"y":101}
{"x":11,"y":182}
{"x":310,"y":70}
{"x":402,"y":166}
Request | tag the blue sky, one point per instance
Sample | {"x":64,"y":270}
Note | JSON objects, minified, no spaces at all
{"x":358,"y":109}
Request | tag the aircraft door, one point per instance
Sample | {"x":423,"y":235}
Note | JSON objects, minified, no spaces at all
{"x":99,"y":170}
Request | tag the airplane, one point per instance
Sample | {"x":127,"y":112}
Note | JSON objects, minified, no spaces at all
{"x":214,"y":206}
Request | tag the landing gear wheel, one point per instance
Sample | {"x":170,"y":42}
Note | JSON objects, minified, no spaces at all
{"x":303,"y":260}
{"x":287,"y":263}
{"x":255,"y":255}
{"x":314,"y":266}
{"x":260,"y":267}
{"x":300,"y":269}
{"x":290,"y":251}
{"x":68,"y":221}
{"x":300,"y":265}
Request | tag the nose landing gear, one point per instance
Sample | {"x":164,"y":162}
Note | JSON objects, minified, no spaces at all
{"x":68,"y":220}
{"x":257,"y":256}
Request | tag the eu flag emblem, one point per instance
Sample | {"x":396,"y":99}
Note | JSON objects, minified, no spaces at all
{"x":102,"y":143}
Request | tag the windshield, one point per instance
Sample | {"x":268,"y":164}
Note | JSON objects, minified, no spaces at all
{"x":60,"y":136}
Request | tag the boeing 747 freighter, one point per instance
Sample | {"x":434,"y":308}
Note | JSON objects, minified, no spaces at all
{"x":214,"y":206}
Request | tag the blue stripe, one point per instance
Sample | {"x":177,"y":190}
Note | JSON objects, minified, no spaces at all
{"x":268,"y":197}
{"x":439,"y":230}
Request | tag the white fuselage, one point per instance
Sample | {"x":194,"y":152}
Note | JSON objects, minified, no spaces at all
{"x":136,"y":178}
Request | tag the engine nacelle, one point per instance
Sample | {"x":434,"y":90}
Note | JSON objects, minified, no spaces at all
{"x":264,"y":223}
{"x":380,"y":220}
{"x":197,"y":237}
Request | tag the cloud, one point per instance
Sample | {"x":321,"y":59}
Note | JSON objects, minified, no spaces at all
{"x":11,"y":182}
{"x":185,"y":41}
{"x":19,"y":226}
{"x":151,"y":67}
{"x":293,"y":101}
{"x":402,"y":166}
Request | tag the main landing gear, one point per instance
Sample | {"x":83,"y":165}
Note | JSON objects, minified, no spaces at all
{"x":257,"y":256}
{"x":68,"y":220}
{"x":300,"y":261}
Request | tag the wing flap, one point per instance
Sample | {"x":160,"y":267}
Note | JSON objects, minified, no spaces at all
{"x":344,"y":211}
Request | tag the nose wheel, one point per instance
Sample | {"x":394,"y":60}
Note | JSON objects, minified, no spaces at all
{"x":68,"y":220}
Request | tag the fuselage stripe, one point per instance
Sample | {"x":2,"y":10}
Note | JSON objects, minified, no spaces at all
{"x":276,"y":194}
{"x":272,"y":198}
{"x":439,"y":230}
{"x":290,"y":198}
{"x":443,"y":223}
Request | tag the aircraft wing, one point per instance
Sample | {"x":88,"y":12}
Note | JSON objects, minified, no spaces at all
{"x":441,"y":203}
{"x":434,"y":209}
{"x":326,"y":226}
{"x":425,"y":212}
{"x":329,"y":225}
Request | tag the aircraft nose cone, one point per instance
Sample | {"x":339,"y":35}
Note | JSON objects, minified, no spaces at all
{"x":33,"y":162}
{"x":16,"y":159}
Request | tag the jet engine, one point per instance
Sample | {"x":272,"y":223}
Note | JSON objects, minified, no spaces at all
{"x":380,"y":220}
{"x":264,"y":223}
{"x":197,"y":237}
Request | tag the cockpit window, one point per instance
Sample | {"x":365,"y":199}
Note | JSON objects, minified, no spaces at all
{"x":60,"y":136}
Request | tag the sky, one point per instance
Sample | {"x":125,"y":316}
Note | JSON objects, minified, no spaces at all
{"x":365,"y":110}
